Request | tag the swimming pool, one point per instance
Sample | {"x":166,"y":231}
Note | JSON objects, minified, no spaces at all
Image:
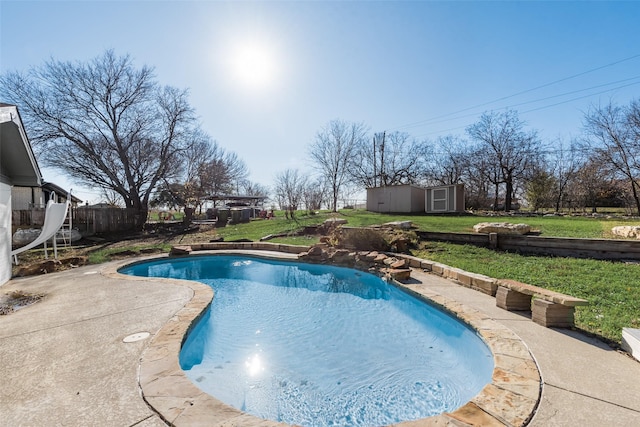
{"x":321,"y":345}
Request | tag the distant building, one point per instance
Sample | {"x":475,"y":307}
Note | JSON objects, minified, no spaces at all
{"x":413,"y":199}
{"x":396,"y":199}
{"x":37,"y":197}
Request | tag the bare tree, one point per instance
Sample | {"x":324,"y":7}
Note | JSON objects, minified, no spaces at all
{"x":171,"y":195}
{"x":450,"y":162}
{"x":614,"y":135}
{"x":190,"y":193}
{"x":314,"y":194}
{"x":590,"y":183}
{"x":250,"y":188}
{"x":222,"y":173}
{"x":289,"y":190}
{"x":334,"y":154}
{"x":564,"y":167}
{"x":106,"y":123}
{"x":111,"y":198}
{"x":208,"y":170}
{"x":506,"y":146}
{"x":389,"y":159}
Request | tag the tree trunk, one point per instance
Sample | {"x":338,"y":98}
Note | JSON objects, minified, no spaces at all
{"x":141,"y":218}
{"x":559,"y":199}
{"x":140,"y":212}
{"x":508,"y":195}
{"x":636,"y":197}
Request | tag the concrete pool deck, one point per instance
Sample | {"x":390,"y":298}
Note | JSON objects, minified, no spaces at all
{"x":63,"y":360}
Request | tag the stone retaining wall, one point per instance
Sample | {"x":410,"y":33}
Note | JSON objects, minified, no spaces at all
{"x":607,"y":249}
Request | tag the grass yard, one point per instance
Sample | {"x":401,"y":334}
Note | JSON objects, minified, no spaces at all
{"x":554,"y":226}
{"x":612,"y":288}
{"x":257,"y":229}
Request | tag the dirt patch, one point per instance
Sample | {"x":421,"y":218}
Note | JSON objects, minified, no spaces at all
{"x":49,"y":266}
{"x":16,"y":300}
{"x":122,"y":245}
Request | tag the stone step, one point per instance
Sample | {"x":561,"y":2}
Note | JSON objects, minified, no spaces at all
{"x":631,"y":341}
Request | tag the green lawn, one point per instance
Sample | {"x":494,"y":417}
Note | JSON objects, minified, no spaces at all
{"x":612,"y":288}
{"x":566,"y":226}
{"x":257,"y":229}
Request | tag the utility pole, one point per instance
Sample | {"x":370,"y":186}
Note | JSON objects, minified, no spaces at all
{"x":374,"y":161}
{"x":383,"y":179}
{"x":381,"y":138}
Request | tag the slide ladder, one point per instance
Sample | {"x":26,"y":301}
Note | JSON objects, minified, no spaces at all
{"x":54,"y":218}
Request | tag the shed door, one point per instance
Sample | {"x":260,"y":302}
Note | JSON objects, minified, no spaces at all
{"x":439,"y":201}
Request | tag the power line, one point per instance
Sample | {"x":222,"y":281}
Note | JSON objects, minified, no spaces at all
{"x":542,"y":107}
{"x":425,"y":121}
{"x":550,"y":97}
{"x":576,"y":91}
{"x":580,"y":97}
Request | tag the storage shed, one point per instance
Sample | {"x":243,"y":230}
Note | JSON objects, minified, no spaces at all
{"x":445,"y":198}
{"x":396,"y":199}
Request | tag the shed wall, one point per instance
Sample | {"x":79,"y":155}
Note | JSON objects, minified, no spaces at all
{"x":417,"y":199}
{"x":460,"y":206}
{"x":397,"y":198}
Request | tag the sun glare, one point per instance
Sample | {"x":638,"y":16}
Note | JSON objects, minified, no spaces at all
{"x":254,"y":365}
{"x":253,"y":65}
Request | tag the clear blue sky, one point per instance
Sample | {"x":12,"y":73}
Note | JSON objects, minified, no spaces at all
{"x":266,"y":76}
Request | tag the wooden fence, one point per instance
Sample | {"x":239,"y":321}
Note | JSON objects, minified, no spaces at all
{"x":27,"y":218}
{"x":103,"y":220}
{"x":87,"y":220}
{"x":608,"y":249}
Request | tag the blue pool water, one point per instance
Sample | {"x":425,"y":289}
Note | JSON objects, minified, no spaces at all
{"x":318,"y":345}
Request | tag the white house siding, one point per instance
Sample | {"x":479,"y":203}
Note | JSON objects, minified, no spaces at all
{"x":18,"y":166}
{"x":5,"y":232}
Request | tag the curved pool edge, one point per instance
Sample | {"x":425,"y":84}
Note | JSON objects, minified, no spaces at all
{"x":509,"y":400}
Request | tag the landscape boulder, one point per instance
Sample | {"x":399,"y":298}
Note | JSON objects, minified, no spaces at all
{"x":628,"y":231}
{"x":180,"y":251}
{"x":380,"y":259}
{"x":501,"y":228}
{"x":403,"y":225}
{"x":399,"y":274}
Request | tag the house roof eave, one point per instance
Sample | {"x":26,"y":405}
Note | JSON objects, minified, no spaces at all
{"x":17,"y":160}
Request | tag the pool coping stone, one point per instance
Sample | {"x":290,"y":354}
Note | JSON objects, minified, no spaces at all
{"x":509,"y":400}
